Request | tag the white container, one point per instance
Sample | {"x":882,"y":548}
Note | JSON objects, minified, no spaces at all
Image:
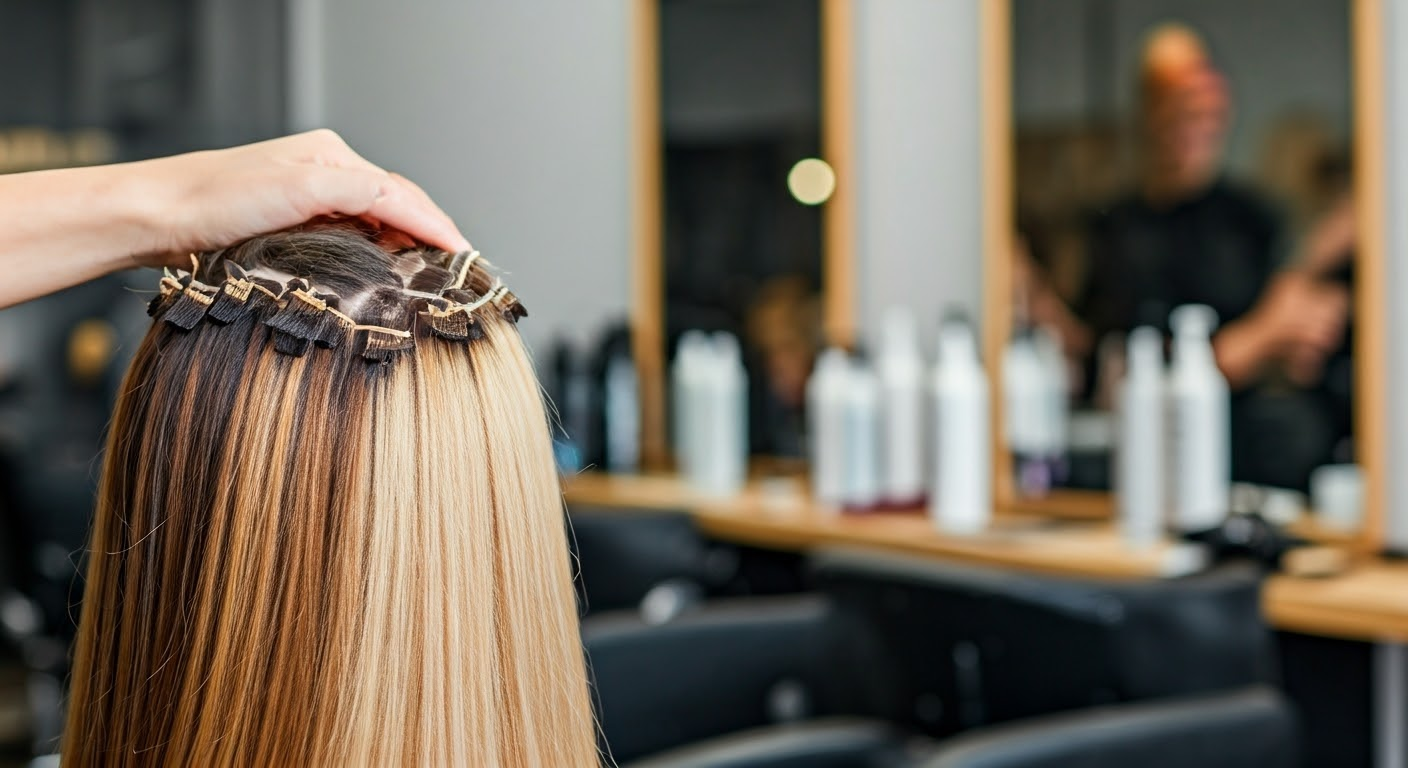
{"x":826,"y":427}
{"x":1139,"y":467}
{"x":722,"y":420}
{"x":901,"y":369}
{"x":961,"y":499}
{"x":1023,"y":395}
{"x":862,"y":438}
{"x":691,"y":358}
{"x":1055,"y":395}
{"x":1199,"y":433}
{"x":1337,"y":496}
{"x":622,"y":415}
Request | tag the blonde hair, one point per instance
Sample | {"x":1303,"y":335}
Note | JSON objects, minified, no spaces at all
{"x":329,"y":530}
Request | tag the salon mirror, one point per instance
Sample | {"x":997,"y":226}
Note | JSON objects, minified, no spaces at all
{"x":739,"y":197}
{"x":1174,"y":152}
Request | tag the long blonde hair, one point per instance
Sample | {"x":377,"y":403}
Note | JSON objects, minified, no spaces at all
{"x":330,"y":530}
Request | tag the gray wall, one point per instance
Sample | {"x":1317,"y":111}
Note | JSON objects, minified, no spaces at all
{"x":918,"y":130}
{"x":1395,"y":28}
{"x":513,"y":116}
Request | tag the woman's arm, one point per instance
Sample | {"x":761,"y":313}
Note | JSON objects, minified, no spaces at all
{"x":60,"y":228}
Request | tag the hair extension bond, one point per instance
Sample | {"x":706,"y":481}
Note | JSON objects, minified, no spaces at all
{"x":329,"y":530}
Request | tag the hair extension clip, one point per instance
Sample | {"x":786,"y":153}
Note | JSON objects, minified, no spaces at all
{"x":380,"y":344}
{"x":306,"y":318}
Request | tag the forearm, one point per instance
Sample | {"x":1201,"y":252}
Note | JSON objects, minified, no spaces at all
{"x":1242,"y":353}
{"x":60,"y":228}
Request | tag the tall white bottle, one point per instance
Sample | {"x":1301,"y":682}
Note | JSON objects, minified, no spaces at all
{"x":691,"y":359}
{"x":1056,"y":400}
{"x":723,"y":419}
{"x":961,"y":499}
{"x":622,"y":415}
{"x":1199,"y":433}
{"x":826,"y":426}
{"x":1024,"y":410}
{"x":1139,"y":464}
{"x":862,"y":438}
{"x":901,"y":371}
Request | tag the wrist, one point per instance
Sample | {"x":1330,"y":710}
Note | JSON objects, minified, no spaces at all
{"x":134,"y":205}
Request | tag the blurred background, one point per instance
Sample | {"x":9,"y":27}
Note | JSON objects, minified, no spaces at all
{"x":865,"y":460}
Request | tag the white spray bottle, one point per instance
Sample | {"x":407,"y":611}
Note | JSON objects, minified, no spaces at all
{"x":1199,"y":432}
{"x":901,"y":371}
{"x":622,"y":414}
{"x":826,"y":427}
{"x":862,"y":438}
{"x":1024,"y":406}
{"x":961,"y":500}
{"x":685,"y":373}
{"x":723,"y":419}
{"x":1139,"y":470}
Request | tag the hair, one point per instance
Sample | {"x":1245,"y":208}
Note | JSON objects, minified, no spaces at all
{"x":329,"y":529}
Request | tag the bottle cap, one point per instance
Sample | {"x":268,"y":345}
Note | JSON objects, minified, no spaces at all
{"x":1193,"y":320}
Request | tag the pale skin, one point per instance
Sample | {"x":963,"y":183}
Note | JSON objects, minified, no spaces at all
{"x":65,"y":227}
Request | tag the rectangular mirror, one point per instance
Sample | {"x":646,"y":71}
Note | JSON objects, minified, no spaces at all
{"x":1165,"y":153}
{"x":742,"y":199}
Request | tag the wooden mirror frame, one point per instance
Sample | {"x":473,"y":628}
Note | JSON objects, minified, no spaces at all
{"x":647,"y":206}
{"x":1366,"y":50}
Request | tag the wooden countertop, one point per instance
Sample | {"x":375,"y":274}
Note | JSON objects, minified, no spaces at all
{"x":1368,"y":603}
{"x":779,"y":515}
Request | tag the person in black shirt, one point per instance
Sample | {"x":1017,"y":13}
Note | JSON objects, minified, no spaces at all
{"x":1189,"y":235}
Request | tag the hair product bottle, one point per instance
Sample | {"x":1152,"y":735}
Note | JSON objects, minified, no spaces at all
{"x":1139,"y":469}
{"x":1198,"y":429}
{"x":691,"y":358}
{"x":901,"y":371}
{"x":1056,"y":404}
{"x":826,"y":427}
{"x":961,"y":501}
{"x":1024,"y":405}
{"x":721,"y":416}
{"x":862,"y":438}
{"x":622,"y":414}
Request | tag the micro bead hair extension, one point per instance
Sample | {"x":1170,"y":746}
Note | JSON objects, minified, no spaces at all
{"x":347,"y":556}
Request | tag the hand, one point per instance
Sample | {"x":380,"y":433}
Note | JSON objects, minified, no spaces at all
{"x":1331,"y":239}
{"x":207,"y":200}
{"x":1299,"y":311}
{"x":1298,"y":322}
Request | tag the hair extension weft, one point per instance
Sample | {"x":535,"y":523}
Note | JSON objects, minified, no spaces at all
{"x":325,"y":559}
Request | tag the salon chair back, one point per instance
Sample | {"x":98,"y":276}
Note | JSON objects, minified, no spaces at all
{"x":735,"y":665}
{"x":948,"y":648}
{"x":623,"y":556}
{"x":1249,"y":728}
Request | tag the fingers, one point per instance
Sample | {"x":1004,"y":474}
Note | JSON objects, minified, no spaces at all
{"x":402,"y":205}
{"x":424,"y":198}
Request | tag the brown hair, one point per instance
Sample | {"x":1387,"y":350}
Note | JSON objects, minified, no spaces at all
{"x":329,"y":530}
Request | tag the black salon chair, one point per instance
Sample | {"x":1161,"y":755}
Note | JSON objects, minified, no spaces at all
{"x":912,"y":646}
{"x":773,"y":682}
{"x":1248,"y":728}
{"x":638,"y":560}
{"x":951,"y":648}
{"x":740,"y":683}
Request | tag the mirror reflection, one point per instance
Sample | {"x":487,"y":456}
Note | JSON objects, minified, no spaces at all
{"x":740,"y":103}
{"x":1173,"y":153}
